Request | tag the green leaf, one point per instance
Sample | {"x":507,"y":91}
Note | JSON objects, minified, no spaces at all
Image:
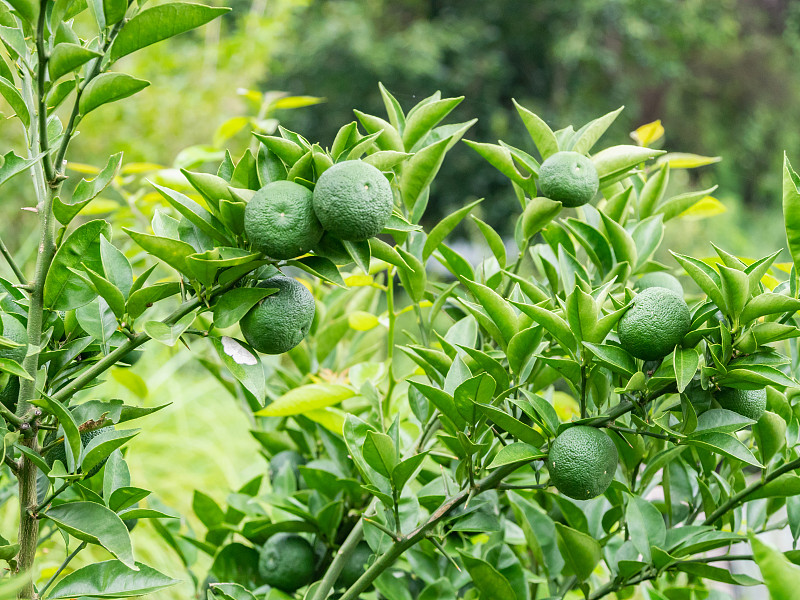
{"x":645,"y":525}
{"x":306,"y":398}
{"x":107,"y":290}
{"x":116,"y":267}
{"x":480,"y":388}
{"x":720,"y":419}
{"x":63,"y":290}
{"x":172,"y":252}
{"x":791,"y":210}
{"x":540,"y":133}
{"x":235,"y":304}
{"x":413,"y":277}
{"x":28,"y":9}
{"x":725,"y":444}
{"x":703,"y":277}
{"x":444,"y":227}
{"x":385,"y":160}
{"x":487,"y":579}
{"x":442,"y":401}
{"x":587,"y":136}
{"x":12,"y":165}
{"x":324,"y":268}
{"x":735,"y":289}
{"x":768,"y":304}
{"x":781,"y":577}
{"x":86,"y":191}
{"x":613,"y":357}
{"x":753,"y":376}
{"x":196,"y":214}
{"x":770,"y":433}
{"x":677,"y":205}
{"x":537,"y":214}
{"x":169,"y":334}
{"x":96,"y":524}
{"x":67,"y":57}
{"x":243,"y":363}
{"x":101,"y":447}
{"x":421,"y":119}
{"x":141,"y":299}
{"x":111,"y":579}
{"x":494,"y":241}
{"x":359,"y":252}
{"x":498,"y":309}
{"x":501,"y":159}
{"x":686,"y":361}
{"x":380,"y":453}
{"x":622,"y":242}
{"x":71,"y":431}
{"x":653,"y":191}
{"x":389,"y":138}
{"x":8,"y":365}
{"x":518,"y":452}
{"x":580,"y":551}
{"x":518,"y":429}
{"x":553,"y":323}
{"x":14,"y":99}
{"x":618,"y":160}
{"x":109,"y":87}
{"x":161,"y":22}
{"x":406,"y":469}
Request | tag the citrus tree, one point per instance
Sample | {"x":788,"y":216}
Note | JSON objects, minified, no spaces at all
{"x":549,"y":421}
{"x":560,"y":420}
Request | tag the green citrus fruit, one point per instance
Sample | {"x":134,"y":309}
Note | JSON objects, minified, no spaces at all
{"x":280,"y":321}
{"x":659,"y":279}
{"x":16,"y":332}
{"x":355,"y":566}
{"x":569,"y":178}
{"x":748,"y":403}
{"x":59,"y":452}
{"x":582,"y":461}
{"x":655,"y":324}
{"x":286,"y":562}
{"x":288,"y":458}
{"x":279,"y":220}
{"x":353,"y":200}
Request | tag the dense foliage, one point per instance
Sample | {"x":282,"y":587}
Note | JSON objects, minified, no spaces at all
{"x":554,"y":419}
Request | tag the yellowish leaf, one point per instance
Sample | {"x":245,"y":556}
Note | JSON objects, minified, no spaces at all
{"x":297,"y":102}
{"x":83,"y":168}
{"x":330,"y":418}
{"x":684,"y":160}
{"x":648,"y":133}
{"x":703,"y":209}
{"x":358,"y":281}
{"x":362,"y":321}
{"x":305,"y":398}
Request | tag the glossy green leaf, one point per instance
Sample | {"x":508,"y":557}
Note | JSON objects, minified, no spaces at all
{"x":580,"y":551}
{"x":101,"y":447}
{"x":781,"y":577}
{"x":243,"y":363}
{"x":768,"y":304}
{"x":686,"y":361}
{"x":617,"y":160}
{"x":735,"y":289}
{"x":67,"y":57}
{"x":172,"y":252}
{"x":653,"y":191}
{"x":196,"y":214}
{"x":724,"y":444}
{"x":540,"y":133}
{"x":14,"y":99}
{"x":86,"y":191}
{"x":791,"y":210}
{"x":422,"y":119}
{"x":521,"y":431}
{"x":719,"y":419}
{"x":111,"y":579}
{"x":380,"y":453}
{"x":109,"y":87}
{"x":645,"y":525}
{"x":389,"y":138}
{"x":63,"y":290}
{"x":518,"y":452}
{"x":613,"y":357}
{"x":444,"y":227}
{"x":487,"y":578}
{"x":498,"y":309}
{"x":161,"y":22}
{"x":140,"y":300}
{"x":537,"y":214}
{"x":96,"y":524}
{"x":169,"y":334}
{"x":589,"y":134}
{"x":770,"y":434}
{"x":236,"y":303}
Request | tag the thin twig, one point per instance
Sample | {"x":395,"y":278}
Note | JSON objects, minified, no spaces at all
{"x":62,"y":567}
{"x":13,"y":264}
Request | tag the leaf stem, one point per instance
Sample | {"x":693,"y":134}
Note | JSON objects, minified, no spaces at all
{"x":63,"y":566}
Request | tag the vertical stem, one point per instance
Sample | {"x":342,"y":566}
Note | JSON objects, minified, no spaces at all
{"x":390,"y":342}
{"x":583,"y":390}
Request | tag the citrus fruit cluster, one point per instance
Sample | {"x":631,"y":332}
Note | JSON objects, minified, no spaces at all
{"x":352,"y":201}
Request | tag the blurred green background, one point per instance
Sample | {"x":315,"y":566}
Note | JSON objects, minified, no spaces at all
{"x":720,"y":74}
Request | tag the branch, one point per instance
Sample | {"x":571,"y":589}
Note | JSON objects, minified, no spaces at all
{"x":62,"y":567}
{"x":406,"y":542}
{"x":41,"y":110}
{"x":12,"y":263}
{"x":739,"y":498}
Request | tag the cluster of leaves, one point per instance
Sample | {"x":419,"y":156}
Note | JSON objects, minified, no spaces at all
{"x":436,"y":455}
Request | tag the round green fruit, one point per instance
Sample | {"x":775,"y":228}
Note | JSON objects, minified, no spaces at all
{"x":280,"y":321}
{"x":353,"y":200}
{"x":355,"y":566}
{"x":279,"y":220}
{"x":655,"y":324}
{"x":659,"y":279}
{"x":286,"y":562}
{"x":748,"y":403}
{"x":569,"y":178}
{"x":582,"y":461}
